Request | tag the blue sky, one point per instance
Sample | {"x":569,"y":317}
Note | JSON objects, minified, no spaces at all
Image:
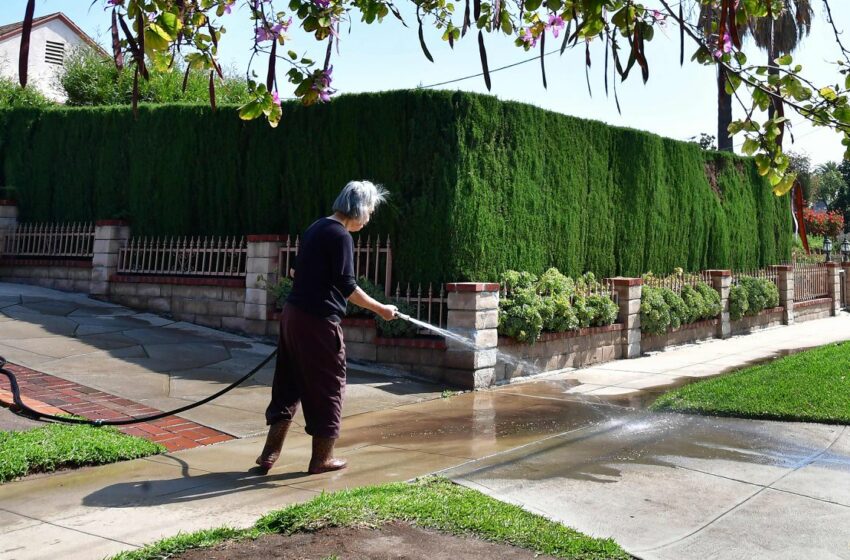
{"x":676,"y":102}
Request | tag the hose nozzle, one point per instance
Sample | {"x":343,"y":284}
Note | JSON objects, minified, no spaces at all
{"x":400,"y":315}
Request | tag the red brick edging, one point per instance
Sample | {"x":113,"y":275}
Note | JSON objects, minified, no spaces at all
{"x":548,"y":336}
{"x":813,"y":302}
{"x":179,"y":280}
{"x":53,"y":395}
{"x":70,"y":263}
{"x":431,"y":343}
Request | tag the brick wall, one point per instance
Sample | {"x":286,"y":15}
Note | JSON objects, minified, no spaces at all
{"x":767,"y":319}
{"x":813,"y":309}
{"x":216,"y":303}
{"x":64,"y":275}
{"x":554,"y":351}
{"x":686,"y":334}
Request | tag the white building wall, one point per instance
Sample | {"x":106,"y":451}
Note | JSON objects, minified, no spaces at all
{"x":41,"y":74}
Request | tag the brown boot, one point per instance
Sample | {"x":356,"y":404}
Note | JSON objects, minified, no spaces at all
{"x":274,"y":443}
{"x":322,"y":460}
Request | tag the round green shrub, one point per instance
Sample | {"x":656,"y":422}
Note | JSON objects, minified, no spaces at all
{"x":563,"y":314}
{"x":694,"y":303}
{"x":712,"y":300}
{"x":603,"y":310}
{"x":738,"y":302}
{"x":552,"y":283}
{"x":520,"y":315}
{"x":654,"y":311}
{"x":513,"y":280}
{"x":678,"y":310}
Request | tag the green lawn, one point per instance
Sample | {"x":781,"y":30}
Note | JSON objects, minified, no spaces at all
{"x":58,"y":446}
{"x":433,"y":502}
{"x":812,"y":386}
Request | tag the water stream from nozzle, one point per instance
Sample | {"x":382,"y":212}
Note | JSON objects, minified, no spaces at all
{"x":527,"y":367}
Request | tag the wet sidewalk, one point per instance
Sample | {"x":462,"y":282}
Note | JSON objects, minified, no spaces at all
{"x":611,"y":469}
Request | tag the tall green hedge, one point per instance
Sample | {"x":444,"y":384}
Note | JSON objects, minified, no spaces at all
{"x":478,"y":185}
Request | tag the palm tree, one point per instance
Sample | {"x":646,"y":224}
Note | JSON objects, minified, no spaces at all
{"x":777,"y":36}
{"x":781,"y":36}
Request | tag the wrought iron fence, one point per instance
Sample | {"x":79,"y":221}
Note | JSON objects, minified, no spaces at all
{"x":430,"y":303}
{"x":676,"y":282}
{"x":374,"y":261}
{"x":769,"y":274}
{"x":61,"y":240}
{"x":184,"y":256}
{"x":811,"y":281}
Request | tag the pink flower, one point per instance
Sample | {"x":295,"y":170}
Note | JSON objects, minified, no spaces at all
{"x":322,"y":84}
{"x":323,"y":4}
{"x":228,"y":7}
{"x":276,"y":99}
{"x":278,"y":29}
{"x":724,"y":47}
{"x":556,"y":23}
{"x":528,"y":38}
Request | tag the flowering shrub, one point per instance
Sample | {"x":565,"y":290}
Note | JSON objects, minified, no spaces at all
{"x":829,"y":224}
{"x":552,"y":303}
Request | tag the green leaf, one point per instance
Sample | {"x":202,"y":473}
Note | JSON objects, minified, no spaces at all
{"x":250,"y":110}
{"x":785,"y":184}
{"x":750,"y":146}
{"x":827,"y":93}
{"x":784,"y":60}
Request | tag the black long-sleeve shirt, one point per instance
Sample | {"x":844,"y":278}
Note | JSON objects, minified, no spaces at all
{"x":324,"y":268}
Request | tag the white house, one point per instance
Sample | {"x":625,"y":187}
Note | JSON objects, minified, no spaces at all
{"x":52,"y":37}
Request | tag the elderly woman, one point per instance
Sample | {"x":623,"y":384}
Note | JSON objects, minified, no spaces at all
{"x":311,"y":365}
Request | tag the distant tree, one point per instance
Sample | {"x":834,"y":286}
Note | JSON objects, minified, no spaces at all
{"x":12,"y":95}
{"x":706,"y":141}
{"x":92,"y":79}
{"x":802,"y":165}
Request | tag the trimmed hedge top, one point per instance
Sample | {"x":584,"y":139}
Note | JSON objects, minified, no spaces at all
{"x":478,"y":185}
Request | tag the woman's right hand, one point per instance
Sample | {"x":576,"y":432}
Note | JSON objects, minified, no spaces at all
{"x":387,"y":312}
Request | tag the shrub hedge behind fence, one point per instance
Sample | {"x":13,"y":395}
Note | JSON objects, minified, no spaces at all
{"x":478,"y":185}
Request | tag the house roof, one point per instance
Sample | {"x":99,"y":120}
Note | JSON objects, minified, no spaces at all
{"x":12,"y":29}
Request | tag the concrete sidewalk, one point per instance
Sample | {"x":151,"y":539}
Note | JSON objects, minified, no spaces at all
{"x":606,"y":452}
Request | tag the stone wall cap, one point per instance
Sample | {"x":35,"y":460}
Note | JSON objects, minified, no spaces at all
{"x":625,"y":281}
{"x":719,"y":272}
{"x":265,"y":237}
{"x":830,"y":264}
{"x":112,"y":222}
{"x":473,"y":287}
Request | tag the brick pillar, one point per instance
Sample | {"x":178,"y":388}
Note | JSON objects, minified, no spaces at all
{"x":846,"y":268}
{"x":833,"y":283}
{"x":628,"y":295}
{"x":721,"y":280}
{"x":474,"y":314}
{"x":785,"y":283}
{"x":109,"y":236}
{"x":8,"y":220}
{"x":262,"y":270}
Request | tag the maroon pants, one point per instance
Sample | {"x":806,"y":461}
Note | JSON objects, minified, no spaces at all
{"x":310,"y":369}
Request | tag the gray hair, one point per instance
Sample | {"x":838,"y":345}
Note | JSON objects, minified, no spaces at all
{"x":358,"y":199}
